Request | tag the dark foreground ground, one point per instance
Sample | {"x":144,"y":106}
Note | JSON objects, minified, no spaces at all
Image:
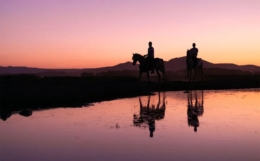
{"x":23,"y":92}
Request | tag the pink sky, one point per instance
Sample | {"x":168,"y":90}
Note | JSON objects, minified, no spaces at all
{"x":86,"y":34}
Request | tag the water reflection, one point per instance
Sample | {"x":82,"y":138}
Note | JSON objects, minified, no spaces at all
{"x":150,"y":112}
{"x":7,"y":113}
{"x":195,"y":108}
{"x":86,"y":134}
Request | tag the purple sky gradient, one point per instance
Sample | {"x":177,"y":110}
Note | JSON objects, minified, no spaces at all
{"x":83,"y":34}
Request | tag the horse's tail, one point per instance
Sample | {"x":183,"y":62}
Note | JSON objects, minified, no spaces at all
{"x":201,"y":66}
{"x":163,"y":67}
{"x":160,"y":65}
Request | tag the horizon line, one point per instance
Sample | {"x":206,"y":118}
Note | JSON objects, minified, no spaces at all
{"x":117,"y":64}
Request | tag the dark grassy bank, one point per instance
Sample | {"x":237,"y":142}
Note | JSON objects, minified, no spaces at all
{"x":18,"y":92}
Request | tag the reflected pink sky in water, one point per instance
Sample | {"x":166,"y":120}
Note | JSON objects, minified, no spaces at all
{"x":228,"y":130}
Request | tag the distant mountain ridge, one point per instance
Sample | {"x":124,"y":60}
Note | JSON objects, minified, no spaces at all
{"x":174,"y":64}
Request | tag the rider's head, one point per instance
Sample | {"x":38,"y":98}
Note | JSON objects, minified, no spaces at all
{"x":151,"y":134}
{"x":194,"y":45}
{"x":195,"y":128}
{"x":150,"y":43}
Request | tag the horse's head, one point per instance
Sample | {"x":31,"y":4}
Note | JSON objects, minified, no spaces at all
{"x":188,"y":51}
{"x":135,"y":58}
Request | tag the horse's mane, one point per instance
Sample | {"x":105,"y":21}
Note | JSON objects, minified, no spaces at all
{"x":188,"y":54}
{"x":138,"y":54}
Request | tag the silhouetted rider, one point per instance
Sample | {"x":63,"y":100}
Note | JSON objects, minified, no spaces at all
{"x":194,"y":53}
{"x":150,"y":57}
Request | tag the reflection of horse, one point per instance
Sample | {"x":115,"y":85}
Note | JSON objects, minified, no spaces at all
{"x":149,"y":113}
{"x":195,"y":110}
{"x":197,"y":67}
{"x":143,"y":67}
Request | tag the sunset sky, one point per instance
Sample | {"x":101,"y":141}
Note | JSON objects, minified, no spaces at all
{"x":98,"y":33}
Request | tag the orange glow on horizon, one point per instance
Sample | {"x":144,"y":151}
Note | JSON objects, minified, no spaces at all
{"x":92,"y":34}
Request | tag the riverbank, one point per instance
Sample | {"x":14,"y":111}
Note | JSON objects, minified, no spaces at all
{"x":20,"y":92}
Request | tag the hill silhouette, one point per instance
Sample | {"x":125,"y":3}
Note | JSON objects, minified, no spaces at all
{"x":175,"y":64}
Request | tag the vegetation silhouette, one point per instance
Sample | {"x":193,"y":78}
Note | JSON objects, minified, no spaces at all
{"x":144,"y":67}
{"x":195,"y":108}
{"x":22,"y":92}
{"x":150,"y":113}
{"x":7,"y":114}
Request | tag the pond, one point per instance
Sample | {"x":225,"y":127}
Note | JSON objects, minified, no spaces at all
{"x":199,"y":125}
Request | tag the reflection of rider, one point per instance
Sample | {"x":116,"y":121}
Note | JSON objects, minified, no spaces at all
{"x":151,"y":123}
{"x":193,"y":118}
{"x":151,"y":117}
{"x":193,"y":53}
{"x":150,"y":57}
{"x":194,"y":110}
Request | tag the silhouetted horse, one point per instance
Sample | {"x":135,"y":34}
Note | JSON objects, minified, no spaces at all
{"x":143,"y":67}
{"x":198,"y":67}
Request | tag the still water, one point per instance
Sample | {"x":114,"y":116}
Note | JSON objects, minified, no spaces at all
{"x":199,"y":125}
